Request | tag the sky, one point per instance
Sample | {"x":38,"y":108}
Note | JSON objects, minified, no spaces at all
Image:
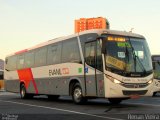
{"x":25,"y":23}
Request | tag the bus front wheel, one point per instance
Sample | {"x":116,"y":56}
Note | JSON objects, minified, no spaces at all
{"x":77,"y":94}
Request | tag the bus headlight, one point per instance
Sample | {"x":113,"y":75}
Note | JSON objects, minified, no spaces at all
{"x":116,"y":81}
{"x":113,"y":79}
{"x":149,"y":82}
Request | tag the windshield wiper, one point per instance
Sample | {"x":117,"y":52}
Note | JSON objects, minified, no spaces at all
{"x":144,"y":70}
{"x":137,"y":58}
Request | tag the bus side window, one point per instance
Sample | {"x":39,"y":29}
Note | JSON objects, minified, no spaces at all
{"x":86,"y":38}
{"x":20,"y":62}
{"x":11,"y":63}
{"x":99,"y":57}
{"x":70,"y":51}
{"x":54,"y":54}
{"x":93,"y":55}
{"x":90,"y":54}
{"x":29,"y":59}
{"x":40,"y":56}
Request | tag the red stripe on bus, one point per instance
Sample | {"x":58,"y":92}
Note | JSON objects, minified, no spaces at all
{"x":27,"y":76}
{"x":22,"y":51}
{"x":34,"y":83}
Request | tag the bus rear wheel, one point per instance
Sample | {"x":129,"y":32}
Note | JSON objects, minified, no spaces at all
{"x":23,"y":93}
{"x":115,"y":100}
{"x":77,"y":94}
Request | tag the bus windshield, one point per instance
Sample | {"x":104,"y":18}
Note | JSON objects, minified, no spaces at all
{"x":128,"y":56}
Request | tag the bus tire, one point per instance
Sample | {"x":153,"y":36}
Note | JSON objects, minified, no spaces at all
{"x":154,"y":94}
{"x":77,"y":94}
{"x":115,"y":100}
{"x":23,"y":93}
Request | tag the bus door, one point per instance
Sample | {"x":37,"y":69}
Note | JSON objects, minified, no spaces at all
{"x":93,"y":67}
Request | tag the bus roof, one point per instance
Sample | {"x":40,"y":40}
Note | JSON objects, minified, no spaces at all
{"x":98,"y":31}
{"x":112,"y":32}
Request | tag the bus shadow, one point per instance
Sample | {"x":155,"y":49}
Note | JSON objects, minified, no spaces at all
{"x":102,"y":104}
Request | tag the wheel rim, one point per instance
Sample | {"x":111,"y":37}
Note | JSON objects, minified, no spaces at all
{"x":77,"y":94}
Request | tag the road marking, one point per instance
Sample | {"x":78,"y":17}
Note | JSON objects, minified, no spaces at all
{"x":58,"y":109}
{"x":143,"y":104}
{"x":7,"y":93}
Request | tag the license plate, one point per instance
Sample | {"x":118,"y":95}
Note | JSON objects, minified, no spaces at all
{"x":134,"y":96}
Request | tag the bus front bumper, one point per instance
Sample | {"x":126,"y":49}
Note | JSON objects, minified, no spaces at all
{"x":118,"y":91}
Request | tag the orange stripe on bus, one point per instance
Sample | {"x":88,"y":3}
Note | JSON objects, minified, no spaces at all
{"x":27,"y":76}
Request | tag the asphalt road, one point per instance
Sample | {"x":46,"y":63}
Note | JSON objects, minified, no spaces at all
{"x":12,"y":107}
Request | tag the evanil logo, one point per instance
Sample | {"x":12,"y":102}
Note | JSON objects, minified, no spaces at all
{"x":63,"y":71}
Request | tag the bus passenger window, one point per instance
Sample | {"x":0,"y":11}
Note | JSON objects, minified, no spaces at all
{"x":20,"y":62}
{"x":11,"y":63}
{"x":70,"y":51}
{"x":90,"y":54}
{"x":40,"y":56}
{"x":29,"y":59}
{"x":93,"y":55}
{"x":54,"y":54}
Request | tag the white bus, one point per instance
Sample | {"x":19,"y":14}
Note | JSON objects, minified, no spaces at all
{"x":91,"y":64}
{"x":156,"y":69}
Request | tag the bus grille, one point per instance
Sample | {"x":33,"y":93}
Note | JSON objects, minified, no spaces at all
{"x":135,"y":85}
{"x":140,"y":92}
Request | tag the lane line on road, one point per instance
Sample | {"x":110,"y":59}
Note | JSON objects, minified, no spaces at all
{"x":143,"y":104}
{"x":1,"y":93}
{"x":58,"y":109}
